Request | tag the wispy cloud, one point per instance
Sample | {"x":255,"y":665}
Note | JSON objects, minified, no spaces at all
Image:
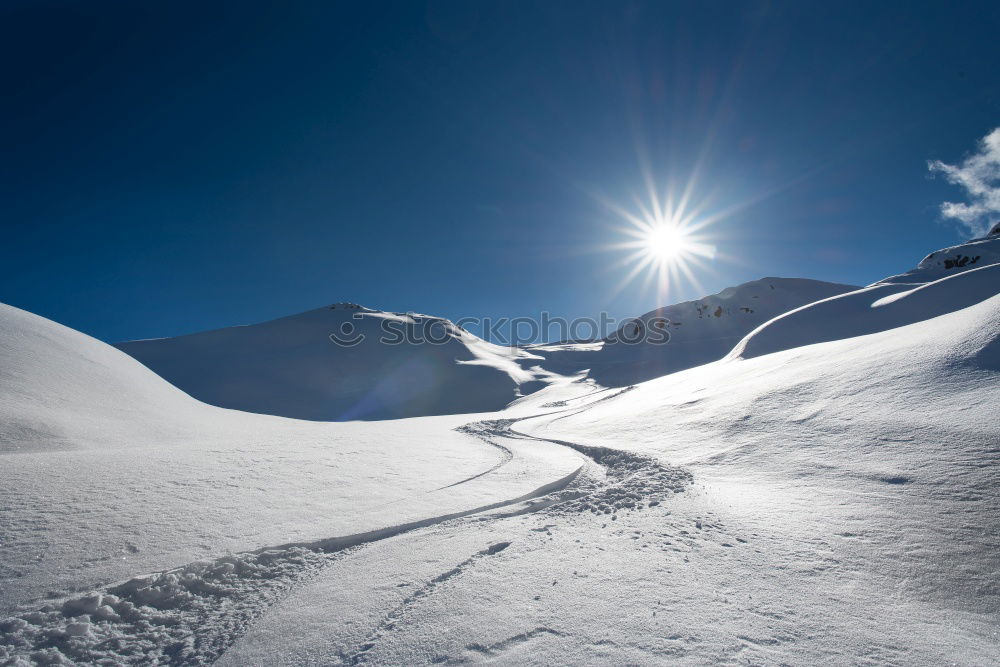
{"x":979,"y":175}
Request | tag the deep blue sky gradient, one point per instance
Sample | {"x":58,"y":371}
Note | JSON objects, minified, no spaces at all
{"x":170,"y":167}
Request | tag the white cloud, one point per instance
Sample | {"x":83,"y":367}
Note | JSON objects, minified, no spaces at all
{"x":979,"y":175}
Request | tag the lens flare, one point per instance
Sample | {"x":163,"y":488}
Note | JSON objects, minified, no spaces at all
{"x":666,"y":242}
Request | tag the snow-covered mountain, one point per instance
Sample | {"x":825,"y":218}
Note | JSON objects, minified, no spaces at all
{"x":696,"y":332}
{"x":953,"y":259}
{"x":406,"y":365}
{"x":390,"y":365}
{"x":944,"y":282}
{"x":824,"y":493}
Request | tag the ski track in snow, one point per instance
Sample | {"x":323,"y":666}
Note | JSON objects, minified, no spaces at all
{"x":506,"y":457}
{"x":498,"y":648}
{"x":629,"y":481}
{"x":192,"y":614}
{"x":391,"y":619}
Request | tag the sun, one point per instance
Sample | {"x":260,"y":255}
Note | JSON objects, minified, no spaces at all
{"x":667,"y":242}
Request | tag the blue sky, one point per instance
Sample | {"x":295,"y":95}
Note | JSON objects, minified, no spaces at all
{"x":172,"y":166}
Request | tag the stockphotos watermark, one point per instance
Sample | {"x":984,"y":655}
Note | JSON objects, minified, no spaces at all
{"x":413,"y":329}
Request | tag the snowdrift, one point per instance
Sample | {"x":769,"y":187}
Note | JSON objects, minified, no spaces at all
{"x":60,"y":388}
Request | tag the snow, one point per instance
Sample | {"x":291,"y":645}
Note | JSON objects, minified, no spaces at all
{"x":885,"y":305}
{"x":952,"y":260}
{"x":823,"y":490}
{"x":109,"y":472}
{"x":843,"y":509}
{"x":699,"y":331}
{"x":871,"y":310}
{"x":291,"y":367}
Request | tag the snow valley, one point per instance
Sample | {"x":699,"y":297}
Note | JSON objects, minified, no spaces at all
{"x":806,"y":473}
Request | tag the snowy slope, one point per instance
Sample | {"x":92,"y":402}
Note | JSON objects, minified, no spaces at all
{"x":61,"y":389}
{"x":107,"y":471}
{"x":699,"y":331}
{"x":927,"y":291}
{"x":844,"y":510}
{"x":291,"y":367}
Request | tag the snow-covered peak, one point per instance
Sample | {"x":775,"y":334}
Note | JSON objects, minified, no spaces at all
{"x":342,"y":362}
{"x":734,"y":308}
{"x":953,"y":259}
{"x":685,"y":334}
{"x":945,"y":281}
{"x":347,"y":305}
